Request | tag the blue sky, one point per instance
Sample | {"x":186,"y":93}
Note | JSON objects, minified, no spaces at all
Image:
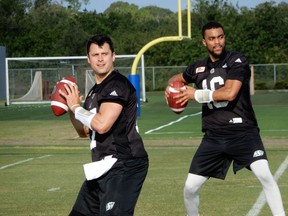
{"x":101,"y":5}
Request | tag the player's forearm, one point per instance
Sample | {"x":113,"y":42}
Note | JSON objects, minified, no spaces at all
{"x":223,"y":95}
{"x":228,"y":92}
{"x":82,"y":130}
{"x":207,"y":96}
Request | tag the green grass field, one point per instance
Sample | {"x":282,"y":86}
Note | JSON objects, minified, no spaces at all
{"x":41,"y":160}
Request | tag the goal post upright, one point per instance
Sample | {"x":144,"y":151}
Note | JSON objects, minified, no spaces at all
{"x":179,"y":37}
{"x":7,"y":103}
{"x":252,"y":81}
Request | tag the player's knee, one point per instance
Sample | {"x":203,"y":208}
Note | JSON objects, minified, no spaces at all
{"x":265,"y":178}
{"x":193,"y":184}
{"x":267,"y":181}
{"x":190,"y":189}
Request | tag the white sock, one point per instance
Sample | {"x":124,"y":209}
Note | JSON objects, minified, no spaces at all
{"x":191,"y":193}
{"x":271,"y":190}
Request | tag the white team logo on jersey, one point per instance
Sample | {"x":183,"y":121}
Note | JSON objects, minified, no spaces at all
{"x":109,"y":205}
{"x":224,"y":66}
{"x":236,"y":120}
{"x":114,"y":93}
{"x":200,"y":69}
{"x":238,"y":60}
{"x":258,"y":153}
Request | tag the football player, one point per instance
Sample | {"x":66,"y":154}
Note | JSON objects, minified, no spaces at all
{"x":231,"y":132}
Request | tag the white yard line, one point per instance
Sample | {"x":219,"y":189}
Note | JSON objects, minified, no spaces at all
{"x":16,"y":163}
{"x":258,"y":205}
{"x":171,"y":123}
{"x":44,"y":156}
{"x":21,"y":162}
{"x":53,"y":189}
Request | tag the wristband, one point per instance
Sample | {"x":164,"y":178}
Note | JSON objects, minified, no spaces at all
{"x":84,"y":116}
{"x":74,"y":106}
{"x":203,"y":96}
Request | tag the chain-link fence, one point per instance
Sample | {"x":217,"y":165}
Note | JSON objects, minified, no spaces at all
{"x":21,"y":73}
{"x":271,"y":76}
{"x":266,"y":76}
{"x":31,"y":80}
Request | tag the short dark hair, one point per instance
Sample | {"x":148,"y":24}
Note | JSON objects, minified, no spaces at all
{"x":211,"y":25}
{"x":100,"y":40}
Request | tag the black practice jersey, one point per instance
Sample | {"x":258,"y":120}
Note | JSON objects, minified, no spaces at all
{"x":122,"y":140}
{"x":224,"y":116}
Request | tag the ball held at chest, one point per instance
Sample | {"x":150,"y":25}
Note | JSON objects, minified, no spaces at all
{"x":58,"y":102}
{"x":174,"y":90}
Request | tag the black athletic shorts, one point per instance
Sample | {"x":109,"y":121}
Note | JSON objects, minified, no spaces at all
{"x":115,"y":193}
{"x":216,"y":152}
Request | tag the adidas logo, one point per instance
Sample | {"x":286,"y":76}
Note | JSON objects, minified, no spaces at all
{"x":236,"y":120}
{"x":258,"y":153}
{"x":109,"y":205}
{"x":238,"y":60}
{"x":114,"y":93}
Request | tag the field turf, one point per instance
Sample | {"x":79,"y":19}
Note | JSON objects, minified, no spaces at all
{"x":41,"y":160}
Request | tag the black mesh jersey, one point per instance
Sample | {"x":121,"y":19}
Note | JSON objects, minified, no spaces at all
{"x":122,"y":140}
{"x":223,"y":116}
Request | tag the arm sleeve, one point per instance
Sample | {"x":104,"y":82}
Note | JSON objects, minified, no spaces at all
{"x":239,"y":68}
{"x":116,"y":92}
{"x":189,"y":74}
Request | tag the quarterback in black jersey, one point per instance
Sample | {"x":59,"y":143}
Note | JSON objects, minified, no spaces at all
{"x":120,"y":162}
{"x":231,"y":133}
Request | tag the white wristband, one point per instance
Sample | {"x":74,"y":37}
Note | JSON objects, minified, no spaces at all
{"x":84,"y":116}
{"x":203,"y":96}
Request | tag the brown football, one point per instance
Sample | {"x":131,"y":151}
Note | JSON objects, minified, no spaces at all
{"x":58,"y":102}
{"x":174,"y":90}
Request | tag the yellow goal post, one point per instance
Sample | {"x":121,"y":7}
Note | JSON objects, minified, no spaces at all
{"x":134,"y":77}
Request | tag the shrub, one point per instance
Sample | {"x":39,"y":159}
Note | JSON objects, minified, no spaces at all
{"x":261,"y":86}
{"x":282,"y":84}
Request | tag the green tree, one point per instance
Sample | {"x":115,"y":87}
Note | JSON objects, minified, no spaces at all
{"x":271,"y":26}
{"x":40,"y":3}
{"x":52,"y":31}
{"x":46,"y":28}
{"x":12,"y":21}
{"x":76,"y":4}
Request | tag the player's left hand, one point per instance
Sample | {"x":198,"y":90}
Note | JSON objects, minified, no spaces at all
{"x":72,"y":96}
{"x":186,"y":95}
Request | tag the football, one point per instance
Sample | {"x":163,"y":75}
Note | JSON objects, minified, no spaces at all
{"x":58,"y":102}
{"x":174,"y":90}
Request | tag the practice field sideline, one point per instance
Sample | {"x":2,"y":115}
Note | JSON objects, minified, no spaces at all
{"x":41,"y":160}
